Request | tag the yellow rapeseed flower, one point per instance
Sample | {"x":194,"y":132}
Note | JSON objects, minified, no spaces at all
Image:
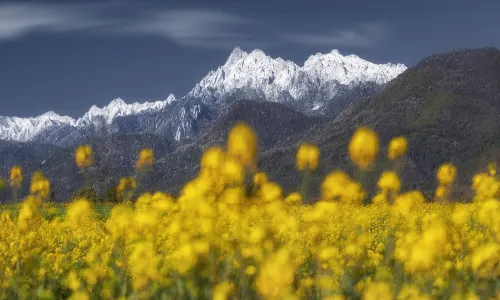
{"x":260,"y":178}
{"x":242,"y":144}
{"x":40,"y":185}
{"x":338,"y":186}
{"x":146,"y":159}
{"x":363,"y":147}
{"x":16,"y":177}
{"x":126,"y":186}
{"x":389,"y":180}
{"x":219,"y":229}
{"x":397,"y":147}
{"x":378,"y":290}
{"x":223,"y":290}
{"x":212,"y":158}
{"x":270,"y":191}
{"x":143,"y":264}
{"x":485,"y":261}
{"x":446,"y":174}
{"x":492,"y":169}
{"x":293,"y":199}
{"x":276,"y":275}
{"x":307,"y":157}
{"x":233,"y":171}
{"x":84,"y":156}
{"x":80,"y":212}
{"x":441,"y":192}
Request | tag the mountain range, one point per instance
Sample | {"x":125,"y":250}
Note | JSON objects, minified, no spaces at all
{"x":324,"y":85}
{"x":446,"y":105}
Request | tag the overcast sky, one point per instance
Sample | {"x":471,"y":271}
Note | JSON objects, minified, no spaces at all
{"x":68,"y":55}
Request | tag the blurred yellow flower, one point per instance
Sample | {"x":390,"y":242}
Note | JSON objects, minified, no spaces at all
{"x":242,"y":144}
{"x":80,"y":212}
{"x":223,"y":290}
{"x":16,"y":177}
{"x":389,"y":180}
{"x":307,"y":157}
{"x":363,"y":147}
{"x":492,"y":169}
{"x":397,"y":147}
{"x":485,"y":261}
{"x":378,"y":290}
{"x":446,"y":174}
{"x":84,"y":156}
{"x":276,"y":276}
{"x":260,"y":178}
{"x":146,"y":159}
{"x":293,"y":199}
{"x":40,"y":185}
{"x":441,"y":192}
{"x":270,"y":191}
{"x":225,"y":238}
{"x":212,"y":158}
{"x":233,"y":172}
{"x":338,"y":186}
{"x":126,"y":187}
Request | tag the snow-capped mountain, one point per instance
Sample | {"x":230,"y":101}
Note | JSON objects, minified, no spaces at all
{"x":118,"y":108}
{"x":25,"y":129}
{"x":325,"y":85}
{"x":307,"y":88}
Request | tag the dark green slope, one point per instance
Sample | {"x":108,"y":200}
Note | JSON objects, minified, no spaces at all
{"x":447,"y":106}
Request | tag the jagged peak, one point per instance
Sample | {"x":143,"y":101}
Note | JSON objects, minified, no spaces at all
{"x":235,"y":55}
{"x":255,"y":69}
{"x":258,"y":52}
{"x":170,"y":98}
{"x":50,"y":113}
{"x":117,"y":102}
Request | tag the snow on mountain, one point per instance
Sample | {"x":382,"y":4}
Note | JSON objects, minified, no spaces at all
{"x":255,"y":74}
{"x":349,"y":69}
{"x":118,"y":108}
{"x":325,"y":84}
{"x":23,"y":129}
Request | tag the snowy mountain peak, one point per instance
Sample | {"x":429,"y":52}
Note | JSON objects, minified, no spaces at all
{"x":325,"y":83}
{"x":22,"y":129}
{"x":257,"y":76}
{"x":235,"y":56}
{"x":117,"y":108}
{"x":171,"y":98}
{"x":49,"y":114}
{"x":118,"y":102}
{"x":349,"y":69}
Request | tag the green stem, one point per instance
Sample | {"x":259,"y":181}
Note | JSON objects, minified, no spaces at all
{"x":304,"y":185}
{"x":14,"y":194}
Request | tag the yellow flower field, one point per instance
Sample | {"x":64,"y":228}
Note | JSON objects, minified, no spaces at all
{"x":234,"y":234}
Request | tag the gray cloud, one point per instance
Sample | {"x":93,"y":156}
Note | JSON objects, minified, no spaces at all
{"x":194,"y":28}
{"x":185,"y":27}
{"x":206,"y":28}
{"x":364,"y":35}
{"x":21,"y":19}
